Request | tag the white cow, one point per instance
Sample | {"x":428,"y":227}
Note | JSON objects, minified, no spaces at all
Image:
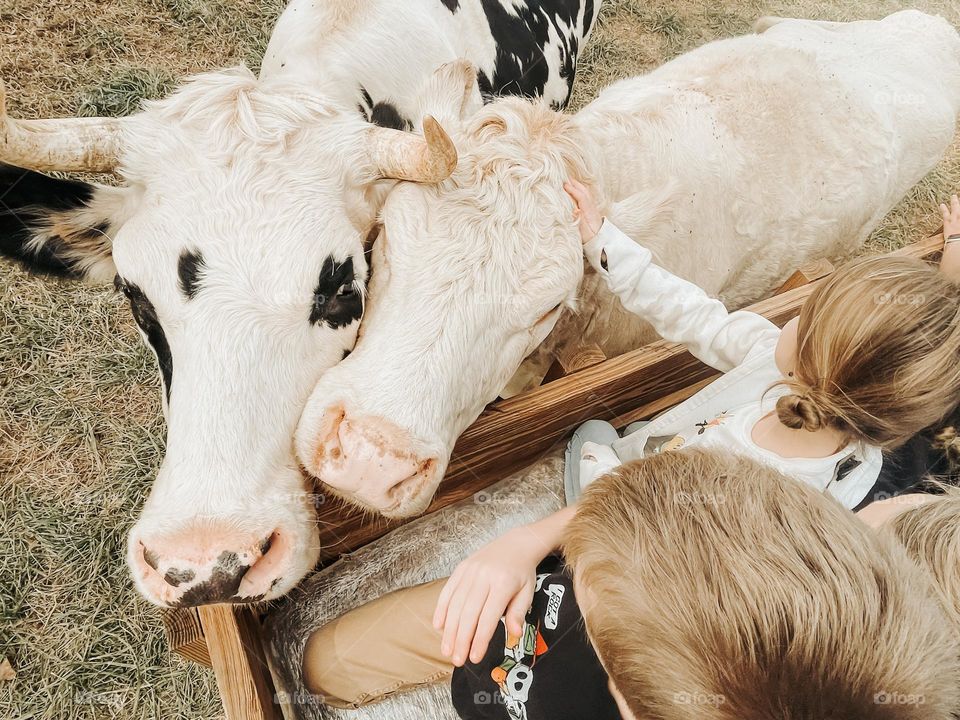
{"x":734,"y":164}
{"x":238,"y":238}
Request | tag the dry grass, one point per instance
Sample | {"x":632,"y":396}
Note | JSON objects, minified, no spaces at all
{"x":80,"y":427}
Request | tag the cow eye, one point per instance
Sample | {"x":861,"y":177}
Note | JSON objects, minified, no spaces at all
{"x":121,"y":285}
{"x":336,"y":299}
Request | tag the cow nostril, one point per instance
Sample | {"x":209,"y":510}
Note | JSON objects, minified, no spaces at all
{"x":328,"y":447}
{"x":150,"y":557}
{"x":407,"y":496}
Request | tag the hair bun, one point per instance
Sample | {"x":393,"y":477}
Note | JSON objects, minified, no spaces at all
{"x":800,"y":412}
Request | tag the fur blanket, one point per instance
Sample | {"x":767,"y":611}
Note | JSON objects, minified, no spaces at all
{"x":423,"y":550}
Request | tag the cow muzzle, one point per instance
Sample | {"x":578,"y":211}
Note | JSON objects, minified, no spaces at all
{"x":371,"y":462}
{"x":207,"y":564}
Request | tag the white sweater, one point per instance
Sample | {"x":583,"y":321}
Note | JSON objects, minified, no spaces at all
{"x":742,"y":345}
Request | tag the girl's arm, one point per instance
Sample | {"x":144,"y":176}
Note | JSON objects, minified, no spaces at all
{"x":495,"y":582}
{"x":950,"y":260}
{"x":679,"y":311}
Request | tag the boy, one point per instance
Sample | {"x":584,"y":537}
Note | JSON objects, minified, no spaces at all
{"x":710,"y":587}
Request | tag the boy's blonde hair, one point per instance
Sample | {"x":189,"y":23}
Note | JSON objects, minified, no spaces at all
{"x":878,"y":352}
{"x":931,"y":535}
{"x":715,"y":588}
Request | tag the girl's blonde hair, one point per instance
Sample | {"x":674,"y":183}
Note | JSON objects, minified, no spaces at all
{"x":878,"y":352}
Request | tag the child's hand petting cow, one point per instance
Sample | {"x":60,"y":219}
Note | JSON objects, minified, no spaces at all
{"x":586,"y":211}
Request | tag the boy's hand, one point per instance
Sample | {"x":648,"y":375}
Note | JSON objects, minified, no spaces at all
{"x":951,"y":217}
{"x":586,"y":210}
{"x":496,"y":581}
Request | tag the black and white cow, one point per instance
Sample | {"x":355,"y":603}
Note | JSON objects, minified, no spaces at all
{"x":238,"y":237}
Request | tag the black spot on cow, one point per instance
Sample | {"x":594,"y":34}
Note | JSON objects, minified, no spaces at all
{"x":175,"y":578}
{"x":189,"y":267}
{"x":451,"y":5}
{"x":29,"y":202}
{"x":145,"y":315}
{"x":521,"y":67}
{"x":382,"y":113}
{"x":222,"y":585}
{"x":346,"y":354}
{"x":337,"y":301}
{"x":386,"y":115}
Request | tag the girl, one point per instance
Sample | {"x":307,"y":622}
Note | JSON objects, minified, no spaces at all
{"x":873,"y":358}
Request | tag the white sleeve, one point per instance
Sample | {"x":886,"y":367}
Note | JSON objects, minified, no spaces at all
{"x":678,"y":310}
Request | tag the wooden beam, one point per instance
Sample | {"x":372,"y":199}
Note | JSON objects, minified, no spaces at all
{"x":184,"y":634}
{"x":236,"y":652}
{"x":575,"y":357}
{"x":512,"y":433}
{"x":807,"y":274}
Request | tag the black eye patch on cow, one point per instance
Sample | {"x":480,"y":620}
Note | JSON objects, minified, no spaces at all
{"x":145,"y":315}
{"x":189,"y":267}
{"x":337,"y":301}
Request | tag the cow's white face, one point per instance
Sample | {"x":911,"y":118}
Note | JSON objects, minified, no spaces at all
{"x":467,"y":279}
{"x":243,"y":261}
{"x":238,"y":240}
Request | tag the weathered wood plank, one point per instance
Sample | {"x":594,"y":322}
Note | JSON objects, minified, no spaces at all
{"x":236,"y":652}
{"x":184,"y":633}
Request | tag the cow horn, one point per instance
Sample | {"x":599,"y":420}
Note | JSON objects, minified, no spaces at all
{"x":66,"y":144}
{"x":404,"y":156}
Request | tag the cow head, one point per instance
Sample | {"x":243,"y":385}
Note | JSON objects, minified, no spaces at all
{"x":238,"y":239}
{"x":468,"y":277}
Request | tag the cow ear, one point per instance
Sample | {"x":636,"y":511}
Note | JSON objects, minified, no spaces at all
{"x":61,"y":227}
{"x":451,"y":94}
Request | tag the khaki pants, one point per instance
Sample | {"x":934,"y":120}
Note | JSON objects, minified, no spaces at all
{"x":386,"y":646}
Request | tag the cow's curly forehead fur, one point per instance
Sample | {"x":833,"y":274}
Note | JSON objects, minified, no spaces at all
{"x":506,"y":225}
{"x":230,"y":119}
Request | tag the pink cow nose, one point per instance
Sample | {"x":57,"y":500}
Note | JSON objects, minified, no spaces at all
{"x":369,"y":460}
{"x":209,"y":564}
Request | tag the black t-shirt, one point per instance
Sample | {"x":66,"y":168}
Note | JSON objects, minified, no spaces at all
{"x":551,"y":673}
{"x":906,"y":469}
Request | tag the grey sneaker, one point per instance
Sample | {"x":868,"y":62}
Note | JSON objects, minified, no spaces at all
{"x":598,"y":431}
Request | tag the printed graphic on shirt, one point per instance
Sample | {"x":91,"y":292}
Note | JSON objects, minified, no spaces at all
{"x":674,"y":443}
{"x":514,"y":676}
{"x":555,"y":593}
{"x":846,"y":466}
{"x":716,"y":422}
